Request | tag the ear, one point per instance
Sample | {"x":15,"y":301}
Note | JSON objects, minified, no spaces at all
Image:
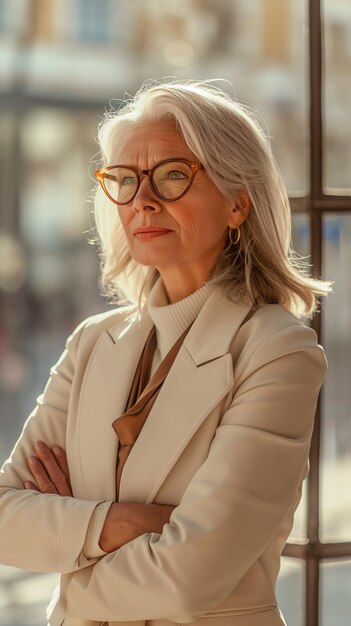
{"x":240,"y":211}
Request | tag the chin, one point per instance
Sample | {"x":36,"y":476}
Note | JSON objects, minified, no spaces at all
{"x":152,"y":259}
{"x":156,"y":252}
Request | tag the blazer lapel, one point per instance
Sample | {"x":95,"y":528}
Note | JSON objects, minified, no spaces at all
{"x":104,"y":393}
{"x":201,"y":375}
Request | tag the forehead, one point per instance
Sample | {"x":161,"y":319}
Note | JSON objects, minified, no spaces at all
{"x":145,"y":143}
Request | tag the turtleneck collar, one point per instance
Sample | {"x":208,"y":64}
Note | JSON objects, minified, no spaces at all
{"x":171,"y":320}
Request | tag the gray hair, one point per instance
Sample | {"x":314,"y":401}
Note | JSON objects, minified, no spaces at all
{"x":228,"y":140}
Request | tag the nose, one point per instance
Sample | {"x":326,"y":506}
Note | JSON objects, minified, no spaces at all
{"x":145,"y":199}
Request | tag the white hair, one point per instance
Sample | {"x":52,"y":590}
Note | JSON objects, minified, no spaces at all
{"x":227,"y":139}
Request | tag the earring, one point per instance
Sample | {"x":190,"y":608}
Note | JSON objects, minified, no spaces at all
{"x":237,"y":236}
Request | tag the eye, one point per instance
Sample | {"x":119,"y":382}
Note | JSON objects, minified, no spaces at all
{"x":128,"y":180}
{"x":176,"y":175}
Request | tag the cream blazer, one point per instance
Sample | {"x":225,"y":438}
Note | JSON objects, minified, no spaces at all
{"x":226,"y":443}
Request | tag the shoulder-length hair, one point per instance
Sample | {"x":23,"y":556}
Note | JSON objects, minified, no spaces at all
{"x":227,"y":139}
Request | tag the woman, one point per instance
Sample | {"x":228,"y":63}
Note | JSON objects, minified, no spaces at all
{"x":175,"y":430}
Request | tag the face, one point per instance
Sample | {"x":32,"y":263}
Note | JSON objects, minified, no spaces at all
{"x":197,"y":224}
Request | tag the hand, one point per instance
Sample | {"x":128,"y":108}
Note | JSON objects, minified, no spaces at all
{"x":50,"y":470}
{"x":126,"y":521}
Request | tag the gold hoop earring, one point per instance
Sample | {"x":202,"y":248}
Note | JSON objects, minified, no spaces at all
{"x":237,"y":236}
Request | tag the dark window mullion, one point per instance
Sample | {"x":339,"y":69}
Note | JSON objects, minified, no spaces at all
{"x":301,"y":204}
{"x":316,"y":174}
{"x":332,"y":203}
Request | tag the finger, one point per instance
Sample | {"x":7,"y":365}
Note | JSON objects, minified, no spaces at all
{"x":41,"y":477}
{"x":53,"y":470}
{"x":29,"y":485}
{"x":61,"y":458}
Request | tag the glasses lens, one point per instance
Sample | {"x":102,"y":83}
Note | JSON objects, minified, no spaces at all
{"x":121,"y":183}
{"x":172,"y":179}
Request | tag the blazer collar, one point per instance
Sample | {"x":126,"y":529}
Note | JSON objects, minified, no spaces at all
{"x":210,"y":335}
{"x":213,"y":330}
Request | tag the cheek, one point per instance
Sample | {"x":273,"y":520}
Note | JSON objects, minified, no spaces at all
{"x":125,"y":218}
{"x":207,"y":222}
{"x":207,"y":214}
{"x":190,"y":224}
{"x":197,"y":234}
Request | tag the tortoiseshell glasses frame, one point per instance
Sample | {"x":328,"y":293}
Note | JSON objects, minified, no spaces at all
{"x":104,"y":173}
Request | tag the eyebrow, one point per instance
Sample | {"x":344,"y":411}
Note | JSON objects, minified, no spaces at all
{"x":171,"y":158}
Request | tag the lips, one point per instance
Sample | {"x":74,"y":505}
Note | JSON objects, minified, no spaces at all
{"x":151,"y":229}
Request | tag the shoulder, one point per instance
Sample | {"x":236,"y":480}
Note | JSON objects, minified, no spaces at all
{"x":86,"y":333}
{"x":108,"y":319}
{"x":269,"y":319}
{"x":273,"y":332}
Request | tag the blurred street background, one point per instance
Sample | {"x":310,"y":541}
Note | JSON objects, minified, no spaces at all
{"x":62,"y":63}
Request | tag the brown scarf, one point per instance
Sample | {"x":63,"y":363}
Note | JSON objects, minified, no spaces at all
{"x":141,"y":398}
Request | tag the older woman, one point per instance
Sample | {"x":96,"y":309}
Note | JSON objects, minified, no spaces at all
{"x":174,"y":431}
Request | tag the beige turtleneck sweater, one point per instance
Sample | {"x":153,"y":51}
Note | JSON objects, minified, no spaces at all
{"x":170,"y":320}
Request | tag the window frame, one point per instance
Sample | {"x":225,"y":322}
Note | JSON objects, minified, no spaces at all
{"x":316,"y":204}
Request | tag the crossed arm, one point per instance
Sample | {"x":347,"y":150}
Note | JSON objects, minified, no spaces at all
{"x":42,"y":527}
{"x":124,"y":522}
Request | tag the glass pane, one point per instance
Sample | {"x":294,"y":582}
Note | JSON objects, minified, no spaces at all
{"x":290,"y":590}
{"x":301,"y":234}
{"x":301,"y":243}
{"x":335,"y":593}
{"x":337,"y":96}
{"x":336,"y":397}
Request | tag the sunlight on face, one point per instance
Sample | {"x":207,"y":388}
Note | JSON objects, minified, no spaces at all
{"x":197,"y":223}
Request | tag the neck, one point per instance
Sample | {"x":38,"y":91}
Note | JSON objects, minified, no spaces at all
{"x":180,"y":288}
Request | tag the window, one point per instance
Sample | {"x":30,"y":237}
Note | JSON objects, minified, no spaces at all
{"x":93,"y":20}
{"x":327,"y":553}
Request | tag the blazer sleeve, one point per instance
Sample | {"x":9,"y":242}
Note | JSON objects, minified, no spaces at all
{"x":44,"y":532}
{"x":232,"y":507}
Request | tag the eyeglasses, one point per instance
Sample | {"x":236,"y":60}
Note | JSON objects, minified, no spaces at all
{"x":169,"y":180}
